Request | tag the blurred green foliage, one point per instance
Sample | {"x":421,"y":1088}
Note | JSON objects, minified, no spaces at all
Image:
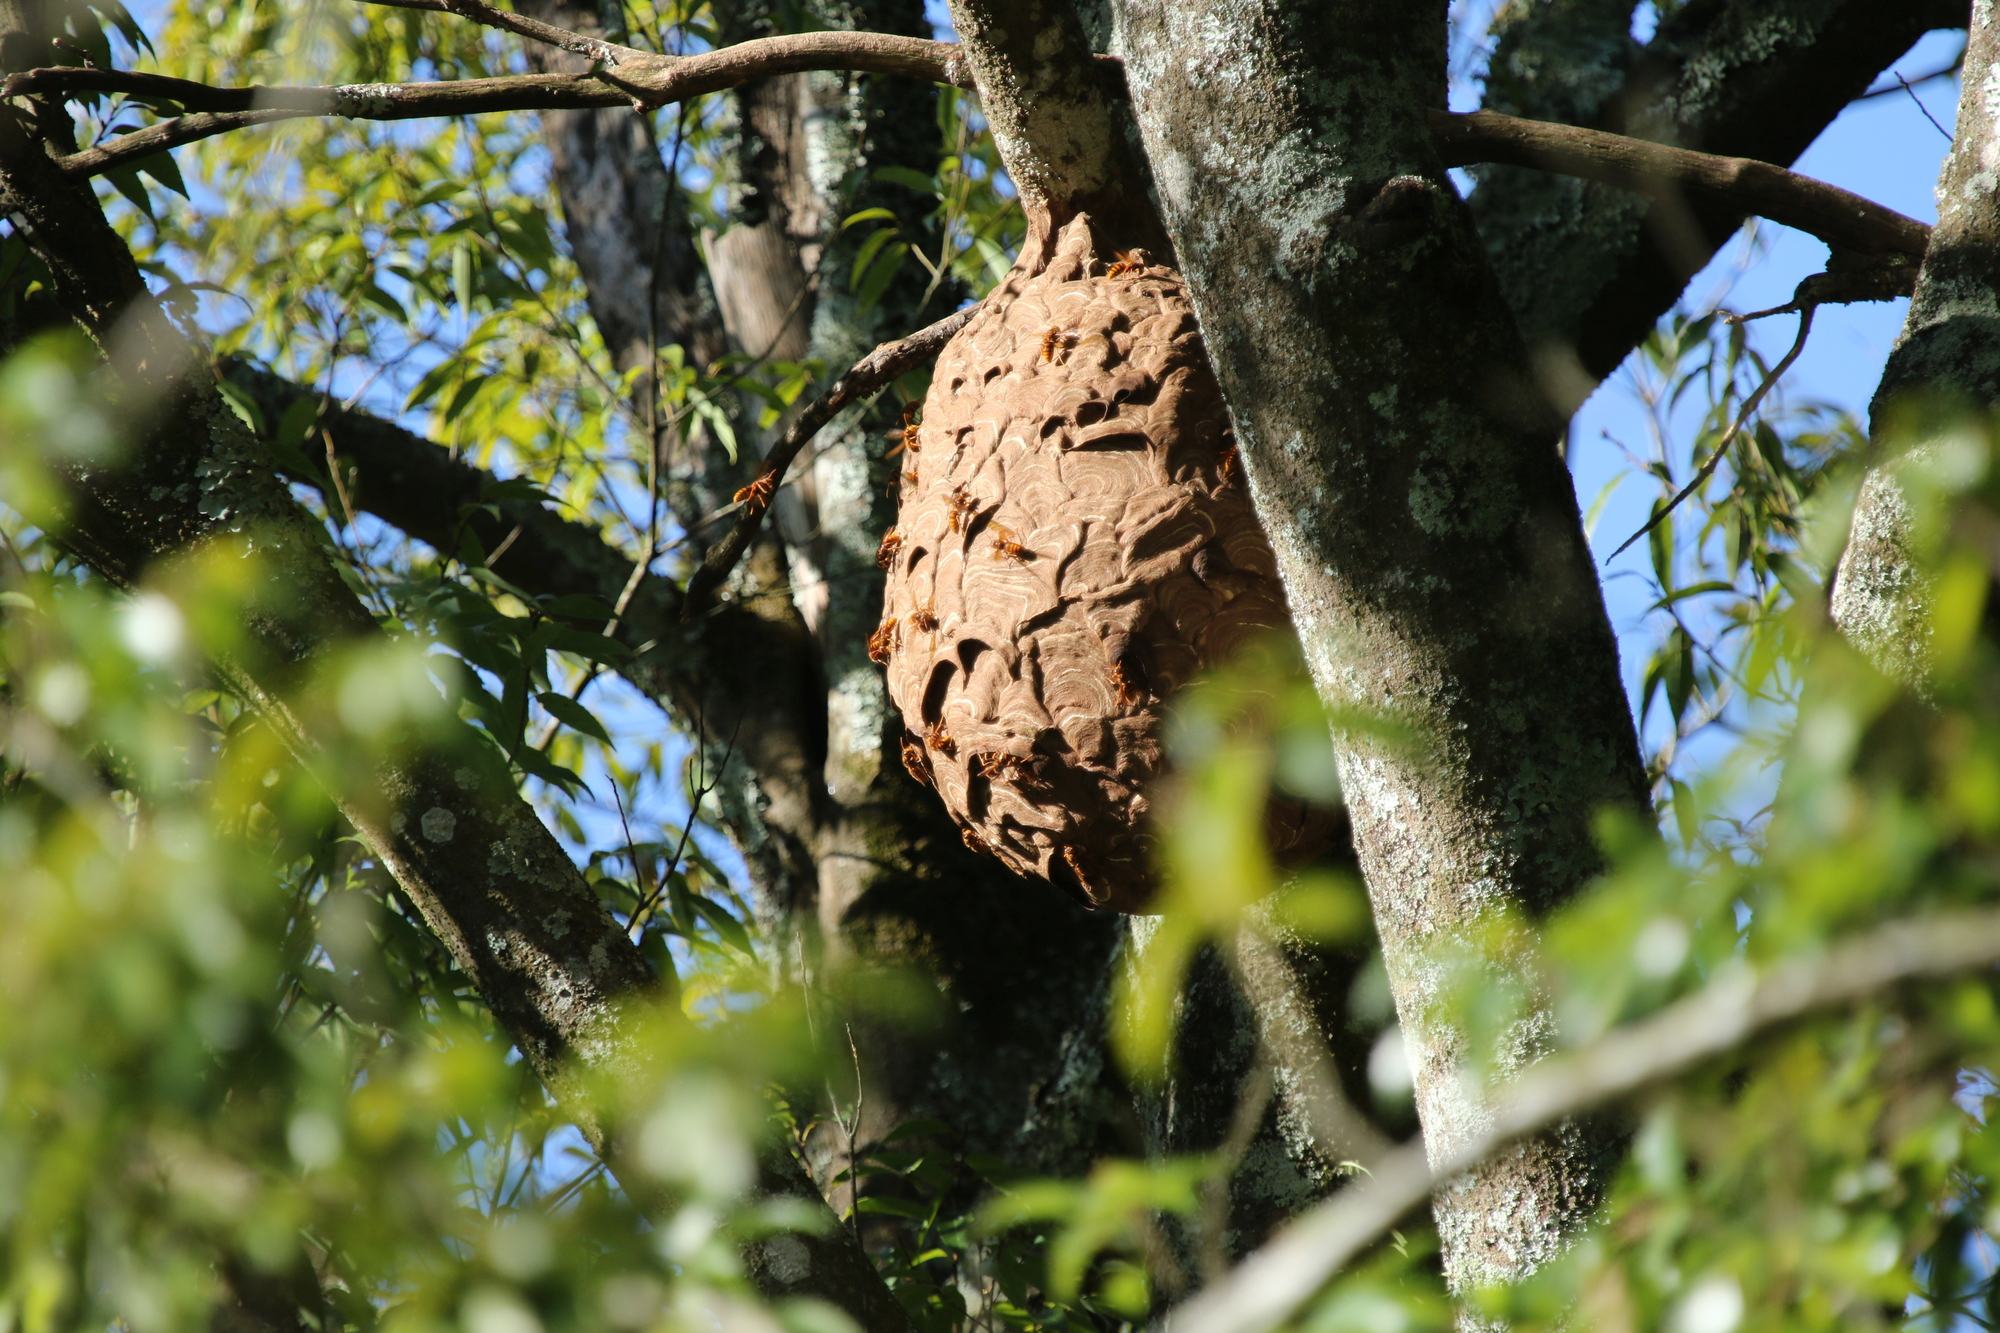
{"x":238,"y":1074}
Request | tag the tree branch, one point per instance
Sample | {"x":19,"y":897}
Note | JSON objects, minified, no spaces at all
{"x":1053,"y":119}
{"x":642,"y":79}
{"x":1588,"y":270}
{"x":523,"y":25}
{"x":1738,"y":185}
{"x":1716,"y":455}
{"x":1265,"y":1289}
{"x":870,"y":373}
{"x":1842,"y":219}
{"x":1884,"y":590}
{"x":420,"y":488}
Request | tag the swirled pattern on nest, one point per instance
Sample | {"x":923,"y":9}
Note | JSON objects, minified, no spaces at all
{"x":1074,"y":543}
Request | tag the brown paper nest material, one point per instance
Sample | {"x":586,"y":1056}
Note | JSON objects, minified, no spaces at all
{"x":1074,"y":544}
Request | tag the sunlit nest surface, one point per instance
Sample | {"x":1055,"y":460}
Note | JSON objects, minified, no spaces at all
{"x":1074,"y":543}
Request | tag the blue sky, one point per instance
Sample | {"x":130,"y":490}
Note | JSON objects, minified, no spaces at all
{"x":1882,"y":148}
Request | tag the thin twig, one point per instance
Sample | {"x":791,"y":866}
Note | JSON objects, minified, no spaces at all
{"x":643,"y":79}
{"x":1265,"y":1289}
{"x":668,"y":190}
{"x":705,"y":782}
{"x":590,"y":48}
{"x":1942,"y":71}
{"x":849,"y":1127}
{"x":1921,"y":107}
{"x":870,"y":373}
{"x":1709,"y":464}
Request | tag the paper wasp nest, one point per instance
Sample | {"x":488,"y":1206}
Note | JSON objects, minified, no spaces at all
{"x":1075,"y":542}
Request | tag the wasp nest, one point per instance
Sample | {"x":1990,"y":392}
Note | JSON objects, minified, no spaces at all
{"x":1074,"y":543}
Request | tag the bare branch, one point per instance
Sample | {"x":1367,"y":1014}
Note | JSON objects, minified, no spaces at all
{"x":1271,"y":1284}
{"x":534,"y":29}
{"x":1842,"y":219}
{"x":1586,"y":271}
{"x":1848,"y":279}
{"x":870,"y":373}
{"x":68,"y":80}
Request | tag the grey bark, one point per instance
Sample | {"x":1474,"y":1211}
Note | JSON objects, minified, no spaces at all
{"x":1050,"y":110}
{"x":1588,"y":269}
{"x":1243,"y":1008}
{"x":1266,"y":1068}
{"x":1945,"y":364}
{"x":1401,"y":460}
{"x":1266,"y":1065}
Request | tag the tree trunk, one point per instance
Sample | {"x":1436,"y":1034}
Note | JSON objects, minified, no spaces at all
{"x":1945,"y":364}
{"x":1405,"y":468}
{"x":1236,"y":1079}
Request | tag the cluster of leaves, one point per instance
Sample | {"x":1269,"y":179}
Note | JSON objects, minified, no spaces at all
{"x":969,"y":216}
{"x":1726,"y":562}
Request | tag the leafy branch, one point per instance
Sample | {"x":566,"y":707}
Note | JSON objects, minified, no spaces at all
{"x":1265,"y":1289}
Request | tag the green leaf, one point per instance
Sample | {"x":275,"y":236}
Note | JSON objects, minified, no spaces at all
{"x":433,"y":379}
{"x":293,"y":426}
{"x":1660,"y":544}
{"x":1691,"y":590}
{"x":879,"y":1206}
{"x":463,"y":395}
{"x":718,"y":421}
{"x":878,"y":238}
{"x":243,"y":404}
{"x":515,"y":489}
{"x":867,"y":215}
{"x":578,"y":606}
{"x":126,"y":181}
{"x":582,"y":643}
{"x":461,"y":277}
{"x":128,"y":27}
{"x":881,"y":274}
{"x":572,"y":715}
{"x":909,"y":179}
{"x":162,"y":168}
{"x":1687,"y":815}
{"x":537,"y":764}
{"x":1678,"y":671}
{"x":727,"y":927}
{"x":373,"y":294}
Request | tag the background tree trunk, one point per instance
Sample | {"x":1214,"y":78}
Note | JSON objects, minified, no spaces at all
{"x":851,"y":857}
